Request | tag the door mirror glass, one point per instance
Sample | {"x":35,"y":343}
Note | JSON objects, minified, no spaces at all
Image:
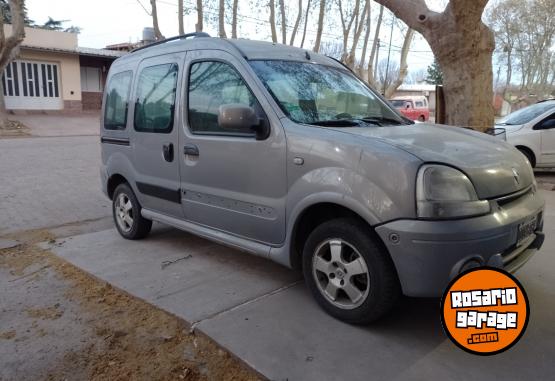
{"x":241,"y":118}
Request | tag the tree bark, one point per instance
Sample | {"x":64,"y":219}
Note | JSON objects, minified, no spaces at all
{"x":221,"y":19}
{"x":305,"y":22}
{"x":283,"y":22}
{"x":350,"y":61}
{"x":273,"y":21}
{"x":180,"y":16}
{"x":297,"y":22}
{"x":360,"y":70}
{"x":234,"y":19}
{"x":154,"y":13}
{"x":200,"y":17}
{"x":375,"y":46}
{"x":464,"y":46}
{"x":320,"y":26}
{"x":9,"y":47}
{"x":403,"y":66}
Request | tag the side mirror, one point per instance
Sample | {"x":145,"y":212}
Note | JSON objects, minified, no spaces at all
{"x":547,"y":124}
{"x":242,"y":119}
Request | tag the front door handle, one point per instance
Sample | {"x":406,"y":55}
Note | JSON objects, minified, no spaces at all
{"x":167,"y":150}
{"x":191,"y":150}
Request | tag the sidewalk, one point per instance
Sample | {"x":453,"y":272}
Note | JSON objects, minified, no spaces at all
{"x":264,"y":314}
{"x":85,"y":124}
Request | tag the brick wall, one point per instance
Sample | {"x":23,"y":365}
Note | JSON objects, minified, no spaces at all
{"x":91,"y":101}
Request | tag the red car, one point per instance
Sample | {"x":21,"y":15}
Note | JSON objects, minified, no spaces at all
{"x":414,"y":108}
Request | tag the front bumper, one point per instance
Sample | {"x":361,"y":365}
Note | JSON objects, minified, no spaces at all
{"x":428,"y":254}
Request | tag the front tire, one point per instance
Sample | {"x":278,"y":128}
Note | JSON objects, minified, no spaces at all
{"x":126,"y":211}
{"x":350,"y":275}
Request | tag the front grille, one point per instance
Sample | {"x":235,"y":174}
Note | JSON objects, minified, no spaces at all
{"x":514,"y":196}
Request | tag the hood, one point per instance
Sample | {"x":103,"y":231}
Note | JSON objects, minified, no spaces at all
{"x":494,"y":167}
{"x":510,"y":128}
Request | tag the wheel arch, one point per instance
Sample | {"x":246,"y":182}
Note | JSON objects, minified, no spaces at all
{"x":312,"y":216}
{"x":113,"y":182}
{"x":530,"y":151}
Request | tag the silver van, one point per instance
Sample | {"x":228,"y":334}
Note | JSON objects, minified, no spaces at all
{"x":286,"y":154}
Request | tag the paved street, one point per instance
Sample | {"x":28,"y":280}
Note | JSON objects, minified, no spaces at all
{"x":259,"y":311}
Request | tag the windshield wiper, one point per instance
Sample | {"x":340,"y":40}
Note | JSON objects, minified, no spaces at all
{"x":336,"y":123}
{"x":380,"y":120}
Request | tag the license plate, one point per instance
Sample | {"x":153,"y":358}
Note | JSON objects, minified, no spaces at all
{"x":526,"y":229}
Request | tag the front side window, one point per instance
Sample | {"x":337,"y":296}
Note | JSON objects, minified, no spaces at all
{"x":311,"y":93}
{"x":117,"y":100}
{"x":155,"y":104}
{"x":211,"y":85}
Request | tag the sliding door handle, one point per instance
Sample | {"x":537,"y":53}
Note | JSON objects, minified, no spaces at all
{"x":191,"y":150}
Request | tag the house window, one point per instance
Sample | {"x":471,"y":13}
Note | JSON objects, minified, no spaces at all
{"x":10,"y":81}
{"x":91,"y":79}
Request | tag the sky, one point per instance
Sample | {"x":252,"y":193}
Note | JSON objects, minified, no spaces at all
{"x":105,"y":22}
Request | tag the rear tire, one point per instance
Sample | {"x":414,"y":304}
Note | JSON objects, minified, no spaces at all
{"x":126,"y":211}
{"x":350,"y":275}
{"x":422,"y":118}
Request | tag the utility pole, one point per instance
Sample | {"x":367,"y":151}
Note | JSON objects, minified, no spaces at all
{"x":388,"y":56}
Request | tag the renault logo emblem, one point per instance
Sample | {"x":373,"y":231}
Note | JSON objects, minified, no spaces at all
{"x":516,"y":176}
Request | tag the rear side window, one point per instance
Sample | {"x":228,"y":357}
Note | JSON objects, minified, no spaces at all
{"x":211,"y":85}
{"x":155,"y":105}
{"x":117,"y":100}
{"x":420,"y":104}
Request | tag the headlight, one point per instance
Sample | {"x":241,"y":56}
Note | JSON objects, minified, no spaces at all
{"x":443,"y":192}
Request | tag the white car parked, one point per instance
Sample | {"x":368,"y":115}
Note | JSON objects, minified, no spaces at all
{"x":532,"y":131}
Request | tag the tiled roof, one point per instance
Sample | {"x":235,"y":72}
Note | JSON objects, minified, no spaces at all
{"x":80,"y":51}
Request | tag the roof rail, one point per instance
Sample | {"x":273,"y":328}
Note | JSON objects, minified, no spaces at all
{"x":180,"y":37}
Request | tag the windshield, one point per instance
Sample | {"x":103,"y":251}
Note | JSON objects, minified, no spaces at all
{"x":526,"y":114}
{"x":311,"y":93}
{"x":398,"y":103}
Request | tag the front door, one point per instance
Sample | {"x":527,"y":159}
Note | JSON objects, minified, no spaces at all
{"x":548,"y":143}
{"x":230,"y":182}
{"x":155,"y":133}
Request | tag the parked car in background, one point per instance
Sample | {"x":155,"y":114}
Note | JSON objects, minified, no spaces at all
{"x":413,"y":107}
{"x":532,"y":131}
{"x":285,"y":154}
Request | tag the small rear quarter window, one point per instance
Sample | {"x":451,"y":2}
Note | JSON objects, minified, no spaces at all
{"x":117,"y":100}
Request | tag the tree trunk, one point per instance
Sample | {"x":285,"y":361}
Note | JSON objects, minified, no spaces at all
{"x":234,"y":19}
{"x":403,"y":66}
{"x":305,"y":22}
{"x":157,"y":32}
{"x":221,"y":20}
{"x":180,"y":16}
{"x":200,"y":17}
{"x":283,"y":22}
{"x":273,"y":21}
{"x":463,"y":46}
{"x":9,"y":47}
{"x":350,"y":61}
{"x":375,"y":46}
{"x":320,"y":26}
{"x":297,"y":22}
{"x":360,"y":70}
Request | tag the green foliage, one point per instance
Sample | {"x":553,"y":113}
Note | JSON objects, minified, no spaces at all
{"x":7,"y":15}
{"x":435,"y":75}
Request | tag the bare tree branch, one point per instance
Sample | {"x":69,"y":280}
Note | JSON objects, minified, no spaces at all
{"x":415,"y":13}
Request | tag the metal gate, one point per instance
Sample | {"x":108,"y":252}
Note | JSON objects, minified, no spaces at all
{"x":32,"y":85}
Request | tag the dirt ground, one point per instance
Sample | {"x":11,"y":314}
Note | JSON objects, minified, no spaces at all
{"x":14,"y":129}
{"x":115,"y":336}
